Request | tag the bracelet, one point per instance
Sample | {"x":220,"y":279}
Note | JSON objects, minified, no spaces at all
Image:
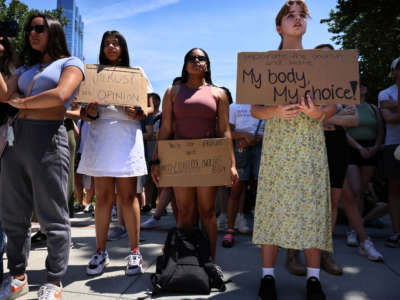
{"x":154,"y":162}
{"x":91,"y":117}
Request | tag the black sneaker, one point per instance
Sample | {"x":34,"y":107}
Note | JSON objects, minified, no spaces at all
{"x":267,"y":289}
{"x":38,"y":238}
{"x":314,"y":289}
{"x":393,"y":241}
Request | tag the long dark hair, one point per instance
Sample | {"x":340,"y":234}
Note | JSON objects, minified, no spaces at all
{"x":56,"y":45}
{"x":124,"y":57}
{"x":185,"y":74}
{"x":8,"y":60}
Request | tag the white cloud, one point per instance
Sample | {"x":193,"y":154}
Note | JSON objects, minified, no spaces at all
{"x":125,"y":9}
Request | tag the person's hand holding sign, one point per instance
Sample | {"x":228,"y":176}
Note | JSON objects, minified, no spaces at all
{"x":90,"y":112}
{"x":287,"y":112}
{"x":314,"y":112}
{"x":136,"y":113}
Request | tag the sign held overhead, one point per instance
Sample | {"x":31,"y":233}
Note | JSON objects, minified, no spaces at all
{"x":283,"y":77}
{"x":113,"y":85}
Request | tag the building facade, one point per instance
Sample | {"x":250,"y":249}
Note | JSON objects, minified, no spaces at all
{"x":74,"y":28}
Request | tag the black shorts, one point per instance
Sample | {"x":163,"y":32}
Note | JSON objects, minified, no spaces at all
{"x":336,"y":146}
{"x":355,"y":157}
{"x":391,"y":166}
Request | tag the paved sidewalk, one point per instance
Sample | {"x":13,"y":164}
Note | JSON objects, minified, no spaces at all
{"x":362,"y":279}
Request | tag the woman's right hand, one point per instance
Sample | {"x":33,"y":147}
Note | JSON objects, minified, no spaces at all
{"x":91,"y":109}
{"x":155,"y":174}
{"x":287,"y":112}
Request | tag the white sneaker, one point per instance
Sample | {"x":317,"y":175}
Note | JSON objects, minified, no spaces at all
{"x":222,"y":222}
{"x":135,"y":263}
{"x":117,"y":233}
{"x":97,"y":263}
{"x":5,"y":288}
{"x":367,"y":249}
{"x":19,"y":287}
{"x":352,"y":239}
{"x":150,"y":223}
{"x":89,"y":208}
{"x":50,"y":291}
{"x":241,"y":224}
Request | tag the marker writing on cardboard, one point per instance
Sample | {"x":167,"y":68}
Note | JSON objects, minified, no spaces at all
{"x":292,"y":94}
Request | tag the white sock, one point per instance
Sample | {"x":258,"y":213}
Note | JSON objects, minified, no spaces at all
{"x":268,"y":271}
{"x":312,"y":272}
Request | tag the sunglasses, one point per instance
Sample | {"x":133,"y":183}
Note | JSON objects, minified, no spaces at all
{"x":36,"y":28}
{"x":298,"y":2}
{"x":192,"y":58}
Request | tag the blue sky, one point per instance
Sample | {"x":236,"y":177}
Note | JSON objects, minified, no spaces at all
{"x":160,"y":32}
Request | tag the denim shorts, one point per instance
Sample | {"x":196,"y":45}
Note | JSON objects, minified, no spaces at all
{"x":250,"y":168}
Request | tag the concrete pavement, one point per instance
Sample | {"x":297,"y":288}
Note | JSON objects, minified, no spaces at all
{"x":362,"y":279}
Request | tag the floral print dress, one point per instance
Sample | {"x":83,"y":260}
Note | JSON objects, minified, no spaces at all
{"x":293,"y":207}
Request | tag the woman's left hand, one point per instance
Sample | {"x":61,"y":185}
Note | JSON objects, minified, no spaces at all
{"x":314,"y":112}
{"x":135,"y":114}
{"x":17,"y":102}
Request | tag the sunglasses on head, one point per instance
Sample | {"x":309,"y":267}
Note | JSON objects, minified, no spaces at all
{"x":36,"y":28}
{"x":192,"y":58}
{"x":298,"y":2}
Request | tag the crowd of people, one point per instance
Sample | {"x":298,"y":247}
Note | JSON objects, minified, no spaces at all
{"x":293,"y":165}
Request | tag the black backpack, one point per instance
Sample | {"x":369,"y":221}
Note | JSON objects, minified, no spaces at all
{"x":185,"y":266}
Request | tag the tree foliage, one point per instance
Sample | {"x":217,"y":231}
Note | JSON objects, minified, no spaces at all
{"x":19,"y":12}
{"x":372,"y":27}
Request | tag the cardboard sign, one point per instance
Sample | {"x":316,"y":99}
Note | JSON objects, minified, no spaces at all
{"x":113,"y":85}
{"x":200,"y":162}
{"x":283,"y":77}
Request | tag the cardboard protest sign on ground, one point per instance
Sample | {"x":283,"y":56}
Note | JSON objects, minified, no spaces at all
{"x":283,"y":77}
{"x":200,"y":162}
{"x":113,"y":85}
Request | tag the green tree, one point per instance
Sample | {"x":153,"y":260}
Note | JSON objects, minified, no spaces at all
{"x":19,"y":12}
{"x":373,"y":28}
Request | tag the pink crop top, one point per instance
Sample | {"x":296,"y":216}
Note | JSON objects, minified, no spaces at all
{"x":195,"y":113}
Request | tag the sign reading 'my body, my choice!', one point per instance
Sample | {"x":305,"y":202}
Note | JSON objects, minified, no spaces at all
{"x":113,"y":85}
{"x":199,"y":162}
{"x":283,"y":77}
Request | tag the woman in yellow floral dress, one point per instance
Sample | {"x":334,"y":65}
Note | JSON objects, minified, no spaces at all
{"x":293,"y":198}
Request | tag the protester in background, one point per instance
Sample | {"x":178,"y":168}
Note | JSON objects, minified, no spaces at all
{"x":389,"y":101}
{"x":48,"y":82}
{"x":193,"y":110}
{"x":247,"y":134}
{"x":165,"y":194}
{"x":83,"y":183}
{"x":114,"y":156}
{"x":223,"y":192}
{"x":7,"y":68}
{"x":365,"y":142}
{"x":293,"y":199}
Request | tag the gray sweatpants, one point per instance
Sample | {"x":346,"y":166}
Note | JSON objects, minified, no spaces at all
{"x":34,"y":173}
